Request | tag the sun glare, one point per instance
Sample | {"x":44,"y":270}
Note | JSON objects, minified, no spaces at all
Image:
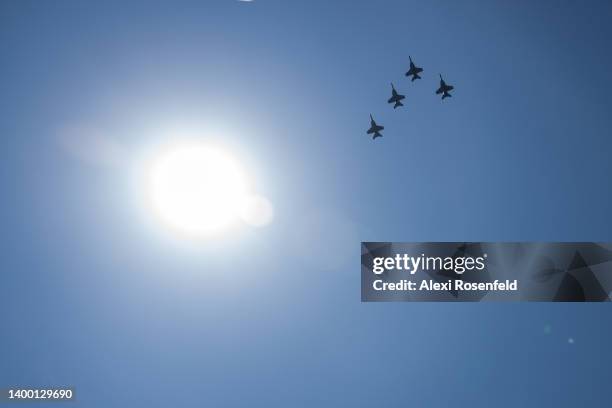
{"x":197,"y":189}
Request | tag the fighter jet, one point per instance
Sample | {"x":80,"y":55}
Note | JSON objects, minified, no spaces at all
{"x":414,"y":70}
{"x":395,"y":97}
{"x":444,"y":89}
{"x":374,"y":128}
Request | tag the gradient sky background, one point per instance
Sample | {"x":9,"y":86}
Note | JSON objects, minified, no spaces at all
{"x":97,"y":295}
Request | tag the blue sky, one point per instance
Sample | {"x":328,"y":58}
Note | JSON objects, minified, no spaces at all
{"x":95,"y":296}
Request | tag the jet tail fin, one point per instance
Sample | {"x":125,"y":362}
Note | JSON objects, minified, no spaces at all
{"x":416,"y":76}
{"x":397,"y":104}
{"x":376,"y":134}
{"x":446,"y":95}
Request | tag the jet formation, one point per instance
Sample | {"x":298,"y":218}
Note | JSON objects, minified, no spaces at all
{"x":396,"y":98}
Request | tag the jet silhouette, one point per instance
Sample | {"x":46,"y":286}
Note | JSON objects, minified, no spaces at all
{"x":414,"y":70}
{"x":374,"y":128}
{"x":395,"y":97}
{"x":444,"y":89}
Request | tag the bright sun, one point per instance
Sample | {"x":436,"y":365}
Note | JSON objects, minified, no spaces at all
{"x":197,"y":189}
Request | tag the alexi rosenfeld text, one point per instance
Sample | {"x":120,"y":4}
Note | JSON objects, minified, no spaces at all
{"x":414,"y":264}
